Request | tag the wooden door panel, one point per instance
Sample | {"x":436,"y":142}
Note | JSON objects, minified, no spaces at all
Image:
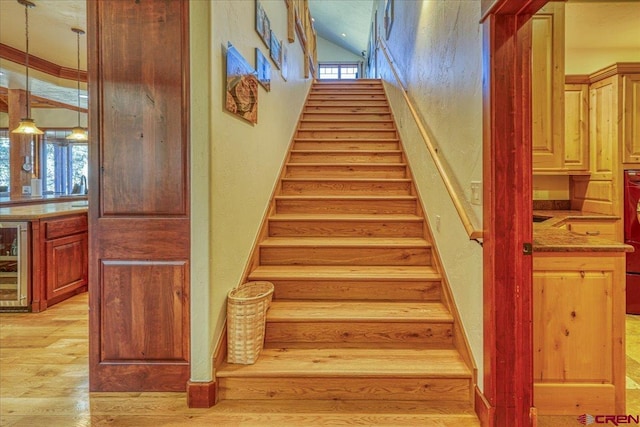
{"x":153,"y":297}
{"x":142,"y":108}
{"x":139,"y":220}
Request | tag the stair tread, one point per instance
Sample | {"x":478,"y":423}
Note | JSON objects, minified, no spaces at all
{"x":352,"y":362}
{"x":341,"y":272}
{"x":332,"y":311}
{"x":359,"y":152}
{"x":342,"y":242}
{"x":346,"y":179}
{"x":350,"y":164}
{"x":347,"y":120}
{"x":315,"y":139}
{"x":344,"y":217}
{"x":348,"y":197}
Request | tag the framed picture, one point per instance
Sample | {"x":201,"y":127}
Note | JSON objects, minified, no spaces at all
{"x":263,"y":67}
{"x":388,"y":17}
{"x":263,"y":25}
{"x":276,"y":51}
{"x":242,"y":87}
{"x":285,"y":62}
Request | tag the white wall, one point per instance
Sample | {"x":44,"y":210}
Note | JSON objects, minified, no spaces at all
{"x":235,"y":165}
{"x":437,"y":48}
{"x":331,"y":52}
{"x":4,"y":120}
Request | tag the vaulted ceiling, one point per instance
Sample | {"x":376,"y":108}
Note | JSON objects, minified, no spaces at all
{"x":601,"y":23}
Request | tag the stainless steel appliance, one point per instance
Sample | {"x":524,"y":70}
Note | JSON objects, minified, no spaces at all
{"x":14,"y":265}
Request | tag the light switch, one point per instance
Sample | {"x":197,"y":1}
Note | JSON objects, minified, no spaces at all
{"x":476,"y":192}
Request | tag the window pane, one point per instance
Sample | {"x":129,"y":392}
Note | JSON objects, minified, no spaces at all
{"x":65,"y":164}
{"x":5,"y":177}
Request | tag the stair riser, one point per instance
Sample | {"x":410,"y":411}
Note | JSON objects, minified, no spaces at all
{"x":315,"y":96}
{"x":361,"y":104}
{"x":345,"y":145}
{"x":345,"y":229}
{"x":345,"y":290}
{"x":355,"y":334}
{"x":346,"y":171}
{"x":294,"y":388}
{"x":343,"y":125}
{"x":347,"y":134}
{"x":355,"y":188}
{"x":344,"y":256}
{"x":345,"y":116}
{"x":346,"y":109}
{"x":319,"y":157}
{"x":346,"y":206}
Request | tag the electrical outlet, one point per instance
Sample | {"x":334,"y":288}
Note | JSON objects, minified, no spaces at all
{"x":438,"y":223}
{"x":26,"y":189}
{"x":476,"y":192}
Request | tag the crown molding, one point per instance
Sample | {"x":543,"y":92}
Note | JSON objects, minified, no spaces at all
{"x":35,"y":63}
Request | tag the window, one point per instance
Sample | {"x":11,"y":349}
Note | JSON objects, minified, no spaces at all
{"x":5,"y":174}
{"x":65,"y":165}
{"x":339,"y":71}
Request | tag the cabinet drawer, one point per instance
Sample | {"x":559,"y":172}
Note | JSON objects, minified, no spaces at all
{"x":65,"y":226}
{"x":606,"y":230}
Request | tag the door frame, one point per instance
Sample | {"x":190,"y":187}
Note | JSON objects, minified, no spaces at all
{"x":507,"y":397}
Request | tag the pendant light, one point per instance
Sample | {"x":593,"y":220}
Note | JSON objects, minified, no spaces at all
{"x":78,"y":133}
{"x":27,"y":125}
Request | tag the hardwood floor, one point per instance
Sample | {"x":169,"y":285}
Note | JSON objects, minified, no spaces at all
{"x":44,"y":382}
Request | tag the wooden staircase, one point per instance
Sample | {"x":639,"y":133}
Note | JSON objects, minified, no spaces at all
{"x":360,"y":312}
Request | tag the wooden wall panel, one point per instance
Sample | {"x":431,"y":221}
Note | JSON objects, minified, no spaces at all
{"x":139,"y":221}
{"x":152,"y":295}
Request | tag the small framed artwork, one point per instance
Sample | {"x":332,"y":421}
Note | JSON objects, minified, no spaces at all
{"x":263,"y":25}
{"x":263,"y":67}
{"x":284,"y":70}
{"x":388,"y":17}
{"x":242,"y":87}
{"x":276,"y":51}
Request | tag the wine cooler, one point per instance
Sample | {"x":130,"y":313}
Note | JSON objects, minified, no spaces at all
{"x":14,"y":265}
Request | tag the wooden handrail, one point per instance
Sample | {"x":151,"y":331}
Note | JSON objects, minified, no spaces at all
{"x":473,"y":232}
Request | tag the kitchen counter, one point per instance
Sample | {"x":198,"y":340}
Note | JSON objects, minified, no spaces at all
{"x":49,"y":198}
{"x":549,"y":237}
{"x":43,"y":210}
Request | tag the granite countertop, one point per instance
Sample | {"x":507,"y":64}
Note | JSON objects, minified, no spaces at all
{"x":43,"y":210}
{"x":548,"y":237}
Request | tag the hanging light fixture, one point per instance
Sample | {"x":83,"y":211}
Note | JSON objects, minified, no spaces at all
{"x":27,"y":125}
{"x":78,"y":133}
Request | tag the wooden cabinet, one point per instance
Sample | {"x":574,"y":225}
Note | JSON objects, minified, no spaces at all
{"x":60,"y":262}
{"x":631,"y":118}
{"x":576,"y":126}
{"x":578,"y":332}
{"x":547,"y":88}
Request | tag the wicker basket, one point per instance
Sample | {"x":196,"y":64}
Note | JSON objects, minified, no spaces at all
{"x":246,"y":309}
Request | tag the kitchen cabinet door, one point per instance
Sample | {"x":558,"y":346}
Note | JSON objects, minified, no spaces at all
{"x":547,"y":88}
{"x":578,"y":332}
{"x":576,"y":127}
{"x":631,"y":120}
{"x":66,"y":266}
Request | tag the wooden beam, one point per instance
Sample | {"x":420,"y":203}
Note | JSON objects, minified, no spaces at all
{"x":19,"y":145}
{"x":35,"y":63}
{"x":510,"y":7}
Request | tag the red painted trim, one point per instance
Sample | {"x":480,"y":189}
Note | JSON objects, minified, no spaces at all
{"x":201,"y":395}
{"x":484,"y":410}
{"x":510,"y":7}
{"x":507,"y":170}
{"x":35,"y":63}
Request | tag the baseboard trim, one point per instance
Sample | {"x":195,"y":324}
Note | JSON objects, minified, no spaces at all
{"x":201,"y":394}
{"x":484,"y":410}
